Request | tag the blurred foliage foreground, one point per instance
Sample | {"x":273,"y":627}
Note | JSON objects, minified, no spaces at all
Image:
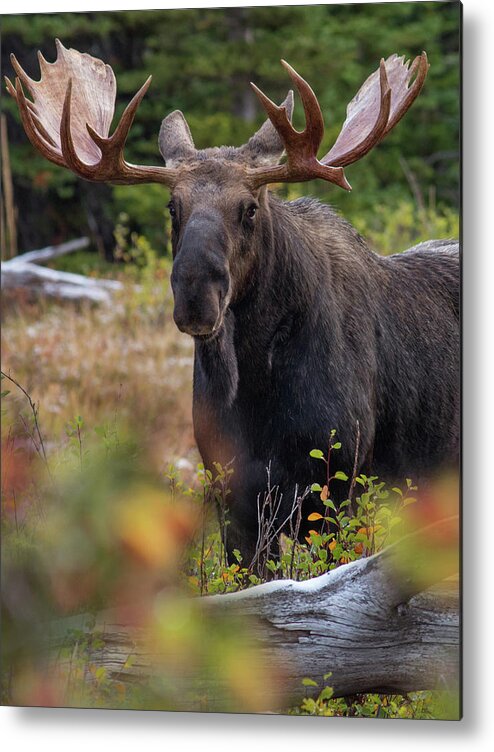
{"x":105,"y":506}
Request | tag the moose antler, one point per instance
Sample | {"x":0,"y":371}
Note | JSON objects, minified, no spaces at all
{"x":69,"y":119}
{"x":377,"y":107}
{"x":73,"y":104}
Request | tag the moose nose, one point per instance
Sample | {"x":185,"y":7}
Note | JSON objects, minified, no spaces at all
{"x":197,"y":324}
{"x":194,"y":329}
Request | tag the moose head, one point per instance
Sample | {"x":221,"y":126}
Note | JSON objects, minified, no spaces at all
{"x":219,"y":205}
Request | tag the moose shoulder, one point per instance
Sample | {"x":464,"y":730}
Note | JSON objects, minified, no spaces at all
{"x":299,"y":327}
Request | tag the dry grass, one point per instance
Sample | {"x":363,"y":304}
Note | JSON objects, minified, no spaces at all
{"x":126,"y":362}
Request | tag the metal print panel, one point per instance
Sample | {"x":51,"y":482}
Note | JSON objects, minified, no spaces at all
{"x":230,"y":380}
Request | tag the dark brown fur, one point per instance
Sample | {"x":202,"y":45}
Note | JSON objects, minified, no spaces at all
{"x":300,"y":328}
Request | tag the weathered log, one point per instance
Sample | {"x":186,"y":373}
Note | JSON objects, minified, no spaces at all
{"x":23,"y":272}
{"x":50,"y":252}
{"x":375,"y":623}
{"x":61,"y":285}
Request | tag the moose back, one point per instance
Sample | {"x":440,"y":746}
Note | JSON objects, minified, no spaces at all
{"x":299,"y":327}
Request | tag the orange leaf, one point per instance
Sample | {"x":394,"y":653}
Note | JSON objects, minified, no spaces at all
{"x":315,"y":515}
{"x":359,"y":547}
{"x":324,"y":493}
{"x":369,"y":530}
{"x":332,"y":545}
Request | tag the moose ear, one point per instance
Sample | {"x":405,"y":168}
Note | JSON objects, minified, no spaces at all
{"x":175,"y":139}
{"x":265,"y":146}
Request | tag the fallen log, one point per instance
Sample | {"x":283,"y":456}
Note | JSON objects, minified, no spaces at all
{"x":23,"y":272}
{"x":376,"y":624}
{"x":47,"y":254}
{"x":61,"y":285}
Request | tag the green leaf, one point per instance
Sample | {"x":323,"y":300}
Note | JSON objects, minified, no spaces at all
{"x":309,"y":683}
{"x":317,"y":454}
{"x":309,"y":705}
{"x":326,"y":693}
{"x":340,"y":475}
{"x":316,"y":539}
{"x":316,"y":487}
{"x":337,"y":551}
{"x":337,"y":445}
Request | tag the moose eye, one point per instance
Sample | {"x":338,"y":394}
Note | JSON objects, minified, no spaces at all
{"x":172,"y":210}
{"x":251,"y":211}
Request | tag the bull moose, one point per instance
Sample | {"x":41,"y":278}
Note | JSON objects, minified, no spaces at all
{"x":298,"y":326}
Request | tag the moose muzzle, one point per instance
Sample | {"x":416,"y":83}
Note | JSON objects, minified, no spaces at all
{"x":200,"y":279}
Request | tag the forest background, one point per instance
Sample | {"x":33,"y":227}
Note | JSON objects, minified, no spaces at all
{"x":202,"y":61}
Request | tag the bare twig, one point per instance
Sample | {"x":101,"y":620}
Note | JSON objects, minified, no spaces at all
{"x":40,"y":447}
{"x":79,"y":439}
{"x":15,"y":511}
{"x":355,"y":467}
{"x":296,"y":530}
{"x":267,"y":519}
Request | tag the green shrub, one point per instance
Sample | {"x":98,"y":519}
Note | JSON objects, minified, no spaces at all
{"x":394,"y":229}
